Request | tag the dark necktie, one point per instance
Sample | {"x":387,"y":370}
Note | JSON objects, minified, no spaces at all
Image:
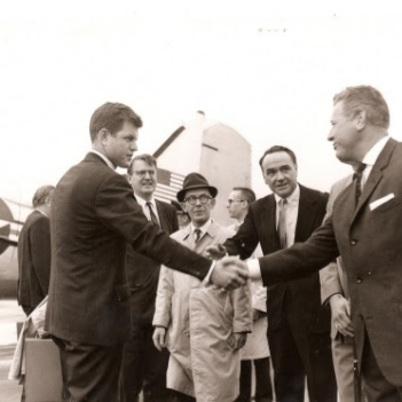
{"x":283,"y":206}
{"x":197,"y":235}
{"x":358,"y":177}
{"x":154,"y":219}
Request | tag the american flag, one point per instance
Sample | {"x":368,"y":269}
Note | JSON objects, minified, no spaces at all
{"x":169,"y":183}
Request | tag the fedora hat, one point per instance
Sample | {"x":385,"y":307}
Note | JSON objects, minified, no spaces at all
{"x":194,"y":181}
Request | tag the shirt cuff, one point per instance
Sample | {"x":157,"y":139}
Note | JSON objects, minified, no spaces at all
{"x":254,"y":269}
{"x":207,"y":278}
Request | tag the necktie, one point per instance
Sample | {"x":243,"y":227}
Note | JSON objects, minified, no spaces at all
{"x":154,"y":219}
{"x":358,"y":177}
{"x":197,"y":235}
{"x":283,"y":205}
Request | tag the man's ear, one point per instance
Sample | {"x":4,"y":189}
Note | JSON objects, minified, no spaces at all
{"x":184,"y":206}
{"x":103,"y":135}
{"x":213,"y":202}
{"x":361,"y":119}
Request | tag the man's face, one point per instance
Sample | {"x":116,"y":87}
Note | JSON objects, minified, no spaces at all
{"x":199,"y":213}
{"x":120,"y":147}
{"x":344,"y":134}
{"x":143,"y":179}
{"x":236,"y":205}
{"x":280,"y":173}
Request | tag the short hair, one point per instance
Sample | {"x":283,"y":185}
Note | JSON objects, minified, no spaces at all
{"x":112,"y":117}
{"x":278,"y":148}
{"x":41,"y":194}
{"x":246,"y":193}
{"x":364,"y":98}
{"x":143,"y":157}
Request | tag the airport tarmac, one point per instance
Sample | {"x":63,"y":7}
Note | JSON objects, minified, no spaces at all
{"x":10,"y":314}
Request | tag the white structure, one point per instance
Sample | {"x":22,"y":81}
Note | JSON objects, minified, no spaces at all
{"x":213,"y":149}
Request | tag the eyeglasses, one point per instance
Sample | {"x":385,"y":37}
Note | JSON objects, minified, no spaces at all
{"x":193,"y":200}
{"x":143,"y":173}
{"x":230,"y":201}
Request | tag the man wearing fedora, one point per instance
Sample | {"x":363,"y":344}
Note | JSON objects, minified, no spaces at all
{"x":202,"y":325}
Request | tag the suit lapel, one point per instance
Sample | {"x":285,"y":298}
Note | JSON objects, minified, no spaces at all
{"x":375,"y":175}
{"x":268,"y":222}
{"x":162,"y":218}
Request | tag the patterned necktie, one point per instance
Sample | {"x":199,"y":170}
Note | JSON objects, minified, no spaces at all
{"x":283,"y":206}
{"x":358,"y":177}
{"x":154,"y":219}
{"x":197,"y":235}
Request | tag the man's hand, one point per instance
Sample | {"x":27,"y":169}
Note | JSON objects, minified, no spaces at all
{"x":159,"y":338}
{"x":239,"y":340}
{"x":229,"y":273}
{"x":340,"y":310}
{"x":216,"y":252}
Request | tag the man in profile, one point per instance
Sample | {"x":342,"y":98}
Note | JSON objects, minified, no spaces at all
{"x":94,"y":217}
{"x":34,"y":252}
{"x":365,"y":230}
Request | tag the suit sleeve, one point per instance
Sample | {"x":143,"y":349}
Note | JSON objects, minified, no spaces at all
{"x":246,"y":239}
{"x":117,"y":208}
{"x":302,"y":258}
{"x":40,"y":242}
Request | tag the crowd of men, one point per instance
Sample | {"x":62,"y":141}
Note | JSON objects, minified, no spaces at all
{"x":139,"y":304}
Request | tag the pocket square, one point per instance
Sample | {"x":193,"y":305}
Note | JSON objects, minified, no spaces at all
{"x":375,"y":204}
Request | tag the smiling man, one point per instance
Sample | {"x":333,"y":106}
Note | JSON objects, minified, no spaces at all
{"x":94,"y":217}
{"x":298,"y":325}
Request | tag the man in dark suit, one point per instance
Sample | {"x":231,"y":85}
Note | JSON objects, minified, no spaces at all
{"x":94,"y":216}
{"x":144,"y":366}
{"x":34,"y":252}
{"x":365,"y":229}
{"x":298,"y":325}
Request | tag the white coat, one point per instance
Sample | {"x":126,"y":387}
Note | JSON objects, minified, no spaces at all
{"x":201,"y":321}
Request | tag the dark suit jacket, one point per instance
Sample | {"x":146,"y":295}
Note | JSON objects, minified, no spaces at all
{"x":33,"y":260}
{"x":260,"y":226}
{"x":369,"y":240}
{"x":94,"y":216}
{"x":143,"y":272}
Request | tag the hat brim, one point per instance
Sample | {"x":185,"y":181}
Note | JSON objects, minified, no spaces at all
{"x":182,"y":192}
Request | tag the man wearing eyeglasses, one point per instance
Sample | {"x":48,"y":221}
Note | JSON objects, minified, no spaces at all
{"x":143,"y":366}
{"x":298,"y":325}
{"x":202,"y":326}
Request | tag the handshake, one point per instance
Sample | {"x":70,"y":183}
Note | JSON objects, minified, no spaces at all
{"x":229,"y":272}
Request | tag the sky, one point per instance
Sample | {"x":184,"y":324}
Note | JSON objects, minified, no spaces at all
{"x":269,"y":69}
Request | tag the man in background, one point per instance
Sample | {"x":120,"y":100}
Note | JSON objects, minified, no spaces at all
{"x":299,"y":326}
{"x":202,"y":326}
{"x":34,"y":252}
{"x":256,"y":349}
{"x":143,"y":366}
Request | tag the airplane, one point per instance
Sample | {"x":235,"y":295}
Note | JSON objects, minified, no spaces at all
{"x":204,"y":146}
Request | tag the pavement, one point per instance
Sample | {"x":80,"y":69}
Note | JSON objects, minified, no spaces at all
{"x":10,"y":314}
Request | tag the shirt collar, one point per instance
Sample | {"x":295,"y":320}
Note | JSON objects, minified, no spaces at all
{"x":372,"y":155}
{"x":105,"y":159}
{"x":292,"y":198}
{"x":143,"y":202}
{"x":204,"y":228}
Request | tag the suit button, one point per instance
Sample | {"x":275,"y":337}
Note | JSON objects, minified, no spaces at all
{"x":353,"y":242}
{"x":359,"y":280}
